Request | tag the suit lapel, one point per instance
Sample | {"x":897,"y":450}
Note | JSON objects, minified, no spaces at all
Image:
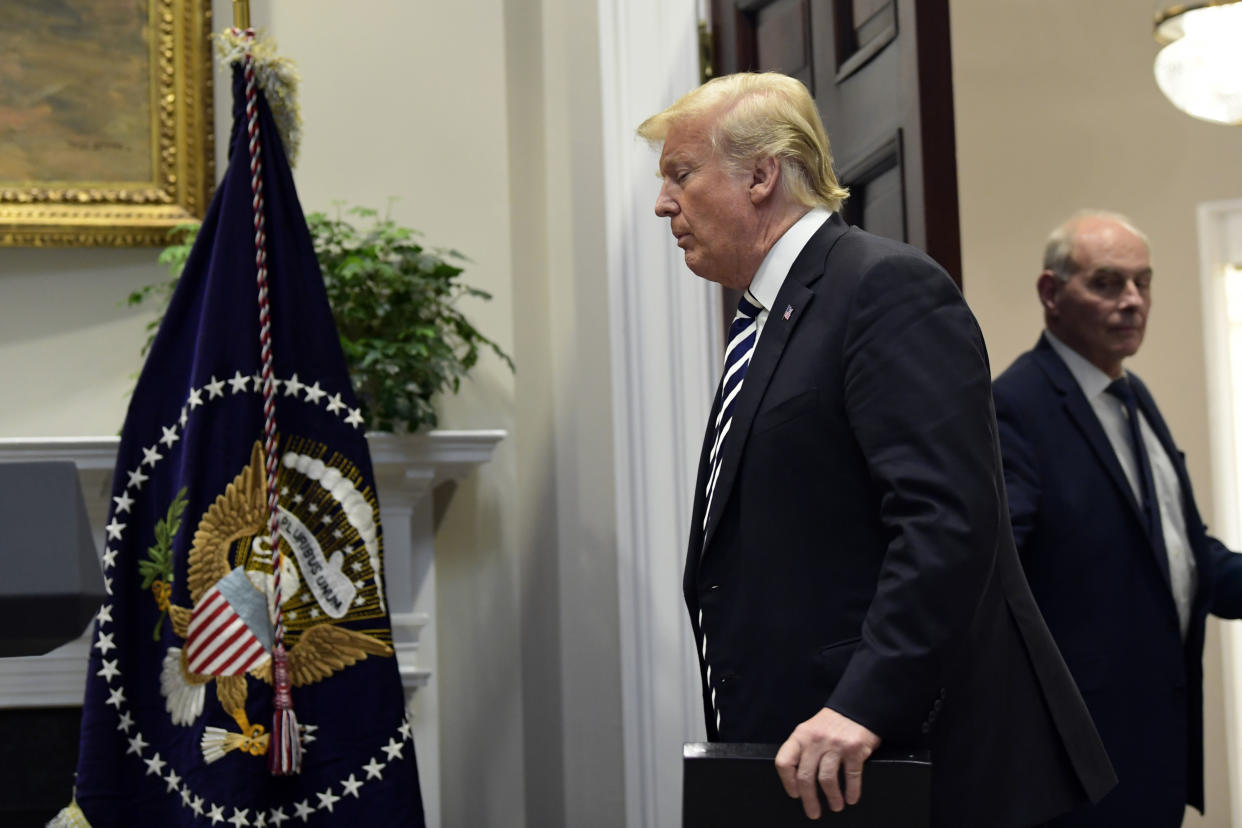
{"x":1084,"y":417}
{"x":795,"y":295}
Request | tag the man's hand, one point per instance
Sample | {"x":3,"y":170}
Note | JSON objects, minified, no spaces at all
{"x":818,"y":748}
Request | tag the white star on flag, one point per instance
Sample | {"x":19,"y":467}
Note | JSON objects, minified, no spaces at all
{"x":327,"y":799}
{"x":126,"y":722}
{"x":136,"y":744}
{"x":394,"y":748}
{"x":335,"y":403}
{"x":215,"y":388}
{"x":239,"y":817}
{"x":123,"y":502}
{"x":374,"y":769}
{"x":304,"y":810}
{"x":105,"y":643}
{"x":116,"y":698}
{"x":293,"y":387}
{"x":355,"y":417}
{"x":239,"y":383}
{"x":350,"y":786}
{"x":109,"y":670}
{"x":150,"y":456}
{"x":170,"y":436}
{"x":114,"y":529}
{"x":155,"y":765}
{"x":196,"y":398}
{"x":314,"y":393}
{"x":136,"y":478}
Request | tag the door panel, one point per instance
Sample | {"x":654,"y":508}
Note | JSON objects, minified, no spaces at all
{"x":881,"y":75}
{"x":782,"y":38}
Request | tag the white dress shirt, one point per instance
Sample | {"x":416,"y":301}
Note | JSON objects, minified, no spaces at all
{"x":775,"y":266}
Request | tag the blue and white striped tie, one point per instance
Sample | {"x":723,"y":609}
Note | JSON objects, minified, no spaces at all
{"x":742,"y":335}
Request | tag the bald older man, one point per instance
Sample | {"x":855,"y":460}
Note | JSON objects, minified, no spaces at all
{"x":1106,"y":524}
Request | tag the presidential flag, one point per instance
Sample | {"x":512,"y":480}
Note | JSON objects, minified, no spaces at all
{"x":180,"y":706}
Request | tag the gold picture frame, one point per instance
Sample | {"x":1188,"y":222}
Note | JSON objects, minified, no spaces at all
{"x":106,"y":123}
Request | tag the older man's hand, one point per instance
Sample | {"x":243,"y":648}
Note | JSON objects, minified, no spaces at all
{"x":819,"y":748}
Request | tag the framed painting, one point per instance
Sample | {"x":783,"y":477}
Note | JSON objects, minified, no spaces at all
{"x":106,"y":134}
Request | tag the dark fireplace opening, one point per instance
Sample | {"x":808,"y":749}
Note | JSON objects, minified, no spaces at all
{"x":38,"y":756}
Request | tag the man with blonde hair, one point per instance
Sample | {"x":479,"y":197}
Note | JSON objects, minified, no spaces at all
{"x":851,"y":578}
{"x":1106,"y":524}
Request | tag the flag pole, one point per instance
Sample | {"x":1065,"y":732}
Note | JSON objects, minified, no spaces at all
{"x":241,"y":14}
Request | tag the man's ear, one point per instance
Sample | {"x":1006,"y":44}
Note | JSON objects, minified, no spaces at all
{"x":1048,"y":285}
{"x":765,"y":176}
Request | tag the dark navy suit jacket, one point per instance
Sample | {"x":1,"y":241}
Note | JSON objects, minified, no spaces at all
{"x":1104,"y":589}
{"x":858,"y":553}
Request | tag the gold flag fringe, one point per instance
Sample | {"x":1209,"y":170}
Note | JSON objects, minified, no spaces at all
{"x":70,"y":816}
{"x":278,"y":78}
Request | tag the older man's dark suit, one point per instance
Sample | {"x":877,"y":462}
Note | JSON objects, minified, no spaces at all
{"x":858,"y":552}
{"x":1104,"y":589}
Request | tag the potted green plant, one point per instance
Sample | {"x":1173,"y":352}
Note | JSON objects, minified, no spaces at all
{"x":395,"y":305}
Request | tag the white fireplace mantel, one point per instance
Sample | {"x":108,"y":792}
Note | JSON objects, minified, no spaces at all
{"x":407,"y":469}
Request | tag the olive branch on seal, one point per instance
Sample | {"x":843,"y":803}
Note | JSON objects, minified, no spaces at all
{"x":157,"y":569}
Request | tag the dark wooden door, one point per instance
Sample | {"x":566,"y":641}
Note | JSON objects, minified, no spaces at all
{"x":881,"y":74}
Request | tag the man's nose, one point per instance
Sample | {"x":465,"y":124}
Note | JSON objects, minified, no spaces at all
{"x":665,"y":206}
{"x":1131,"y":295}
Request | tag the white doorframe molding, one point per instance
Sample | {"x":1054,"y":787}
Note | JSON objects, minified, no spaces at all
{"x":1220,"y":245}
{"x":666,"y":347}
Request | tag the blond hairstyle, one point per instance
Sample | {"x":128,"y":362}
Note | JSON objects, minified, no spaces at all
{"x":761,"y":115}
{"x":1059,"y":249}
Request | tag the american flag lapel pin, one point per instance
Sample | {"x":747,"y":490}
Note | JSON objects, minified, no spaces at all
{"x":788,"y":312}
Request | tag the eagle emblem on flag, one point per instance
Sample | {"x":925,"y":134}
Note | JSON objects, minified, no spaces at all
{"x":228,"y":631}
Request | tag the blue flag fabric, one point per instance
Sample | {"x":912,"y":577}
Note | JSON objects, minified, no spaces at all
{"x":179,"y":699}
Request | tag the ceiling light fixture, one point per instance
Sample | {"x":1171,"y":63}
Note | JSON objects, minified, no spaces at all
{"x":1199,"y":67}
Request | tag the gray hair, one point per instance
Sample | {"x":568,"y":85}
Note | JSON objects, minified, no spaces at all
{"x":1059,"y":250}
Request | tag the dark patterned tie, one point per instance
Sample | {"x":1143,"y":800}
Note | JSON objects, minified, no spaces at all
{"x":1122,"y":390}
{"x":742,"y":335}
